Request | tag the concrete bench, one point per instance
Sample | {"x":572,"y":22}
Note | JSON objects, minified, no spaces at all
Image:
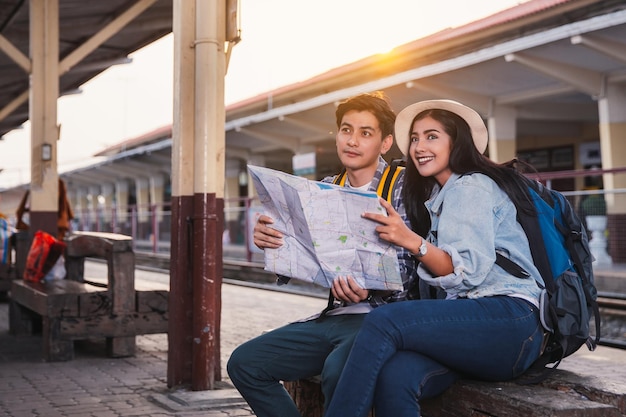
{"x":80,"y":307}
{"x":562,"y":394}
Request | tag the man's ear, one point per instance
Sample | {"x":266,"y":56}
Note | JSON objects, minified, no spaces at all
{"x":387,"y":143}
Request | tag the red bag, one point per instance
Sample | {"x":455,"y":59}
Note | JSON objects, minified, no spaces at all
{"x":43,"y":254}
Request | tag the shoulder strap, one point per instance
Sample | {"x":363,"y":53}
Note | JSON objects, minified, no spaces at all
{"x":387,"y":181}
{"x":340,"y":179}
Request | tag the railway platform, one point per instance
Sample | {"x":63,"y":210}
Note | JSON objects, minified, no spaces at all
{"x":95,"y":385}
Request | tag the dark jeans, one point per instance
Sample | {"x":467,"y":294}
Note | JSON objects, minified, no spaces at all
{"x":403,"y":345}
{"x":289,"y":353}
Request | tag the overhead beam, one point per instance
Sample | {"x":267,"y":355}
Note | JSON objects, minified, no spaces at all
{"x":585,"y":80}
{"x":122,"y":170}
{"x":537,"y":93}
{"x":283,"y":141}
{"x":15,"y":54}
{"x":152,"y":169}
{"x":440,"y":67}
{"x":479,"y":102}
{"x":79,"y":53}
{"x":104,"y":34}
{"x":616,"y":50}
{"x":305,"y":124}
{"x":13,"y":104}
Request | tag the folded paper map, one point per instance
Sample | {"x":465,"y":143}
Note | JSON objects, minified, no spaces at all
{"x":324,"y":234}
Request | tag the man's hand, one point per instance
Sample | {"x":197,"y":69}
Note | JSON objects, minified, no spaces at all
{"x":346,"y":289}
{"x":265,"y":236}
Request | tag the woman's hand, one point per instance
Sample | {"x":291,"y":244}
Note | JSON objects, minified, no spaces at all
{"x":346,"y":289}
{"x":265,"y":236}
{"x":393,"y":229}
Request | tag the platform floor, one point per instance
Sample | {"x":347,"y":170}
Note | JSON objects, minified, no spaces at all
{"x":94,"y":385}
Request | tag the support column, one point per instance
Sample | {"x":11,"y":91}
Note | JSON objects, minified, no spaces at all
{"x":44,"y":91}
{"x":82,"y":206}
{"x":156,"y":194}
{"x":121,"y":199}
{"x":502,"y":134}
{"x":107,"y":204}
{"x":613,"y":149}
{"x":209,"y":164}
{"x":142,"y":190}
{"x":94,"y":212}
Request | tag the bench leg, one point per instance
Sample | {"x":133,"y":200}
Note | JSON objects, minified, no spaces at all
{"x":118,"y":347}
{"x":308,"y":396}
{"x":55,"y":348}
{"x":20,"y":320}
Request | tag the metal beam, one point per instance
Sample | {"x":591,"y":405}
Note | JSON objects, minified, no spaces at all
{"x":104,"y":34}
{"x":478,"y":102}
{"x":305,"y":124}
{"x":283,"y":141}
{"x":528,"y":95}
{"x":584,"y":80}
{"x":616,"y":50}
{"x":441,"y":67}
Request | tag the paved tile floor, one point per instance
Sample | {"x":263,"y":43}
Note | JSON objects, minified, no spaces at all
{"x":94,"y":385}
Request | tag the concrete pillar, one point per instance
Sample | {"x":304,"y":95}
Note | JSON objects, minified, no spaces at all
{"x":81,"y":209}
{"x":121,"y":199}
{"x":258,"y":160}
{"x":142,"y":190}
{"x":157,"y":183}
{"x":44,"y":91}
{"x":198,"y":166}
{"x":92,"y":207}
{"x":613,"y":148}
{"x":107,"y":205}
{"x":502,"y":133}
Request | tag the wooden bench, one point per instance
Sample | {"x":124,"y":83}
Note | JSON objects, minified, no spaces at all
{"x":80,"y":307}
{"x":563,"y":394}
{"x":7,"y":275}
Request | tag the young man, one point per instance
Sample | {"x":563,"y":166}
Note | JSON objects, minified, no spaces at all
{"x":319,"y":345}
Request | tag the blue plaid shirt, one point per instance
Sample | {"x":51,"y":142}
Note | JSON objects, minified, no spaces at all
{"x":408,"y":264}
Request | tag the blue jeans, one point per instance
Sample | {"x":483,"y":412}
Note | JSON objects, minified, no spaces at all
{"x":289,"y":353}
{"x":403,"y":345}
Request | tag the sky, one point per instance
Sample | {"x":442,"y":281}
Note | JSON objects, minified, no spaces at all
{"x":283,"y":42}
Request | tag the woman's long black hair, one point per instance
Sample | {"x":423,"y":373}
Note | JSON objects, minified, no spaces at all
{"x":464,"y":158}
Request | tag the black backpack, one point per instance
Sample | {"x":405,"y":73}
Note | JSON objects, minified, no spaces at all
{"x":560,"y":251}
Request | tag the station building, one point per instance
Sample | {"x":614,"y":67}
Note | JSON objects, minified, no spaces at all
{"x":548,"y":77}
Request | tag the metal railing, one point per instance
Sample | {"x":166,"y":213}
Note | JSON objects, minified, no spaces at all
{"x":150,"y":226}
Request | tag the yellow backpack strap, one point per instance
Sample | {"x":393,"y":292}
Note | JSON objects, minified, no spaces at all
{"x":340,"y":179}
{"x":388,"y":179}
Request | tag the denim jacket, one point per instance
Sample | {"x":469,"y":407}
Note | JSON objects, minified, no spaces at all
{"x":471,"y":219}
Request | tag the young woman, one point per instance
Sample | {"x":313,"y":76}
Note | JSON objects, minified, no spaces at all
{"x":485,"y":323}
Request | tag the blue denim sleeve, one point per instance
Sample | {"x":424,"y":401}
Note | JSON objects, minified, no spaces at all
{"x":466,"y":230}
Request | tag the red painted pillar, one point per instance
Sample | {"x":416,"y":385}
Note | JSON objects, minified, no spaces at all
{"x":198,"y":169}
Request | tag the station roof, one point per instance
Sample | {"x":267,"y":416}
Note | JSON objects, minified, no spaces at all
{"x":548,"y":62}
{"x":79,"y":21}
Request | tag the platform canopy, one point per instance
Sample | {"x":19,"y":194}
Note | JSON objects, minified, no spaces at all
{"x":93,"y":35}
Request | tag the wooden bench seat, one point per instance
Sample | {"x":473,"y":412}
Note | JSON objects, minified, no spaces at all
{"x":77,"y":307}
{"x":563,"y":394}
{"x":7,"y":275}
